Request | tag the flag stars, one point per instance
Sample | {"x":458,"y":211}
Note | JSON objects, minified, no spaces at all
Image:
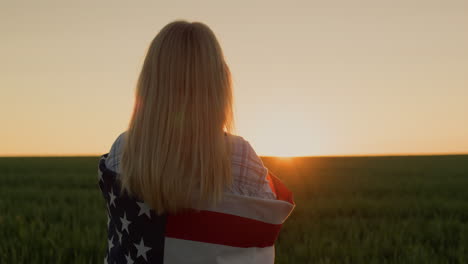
{"x":120,"y":236}
{"x":110,"y":243}
{"x":100,"y":175}
{"x":125,"y":223}
{"x":112,"y":198}
{"x":144,"y":209}
{"x":142,"y":249}
{"x":129,"y":259}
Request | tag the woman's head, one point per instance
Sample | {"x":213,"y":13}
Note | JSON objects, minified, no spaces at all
{"x":176,"y":143}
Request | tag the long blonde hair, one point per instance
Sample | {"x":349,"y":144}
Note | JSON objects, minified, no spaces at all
{"x":177,"y":143}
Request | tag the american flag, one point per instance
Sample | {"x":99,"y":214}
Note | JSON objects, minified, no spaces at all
{"x":241,"y":229}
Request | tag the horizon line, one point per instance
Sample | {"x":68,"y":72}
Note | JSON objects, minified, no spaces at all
{"x":266,"y":156}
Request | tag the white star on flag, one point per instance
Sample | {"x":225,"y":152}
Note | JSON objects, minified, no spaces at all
{"x":112,"y":198}
{"x":100,"y":175}
{"x":142,"y":249}
{"x":125,"y":223}
{"x":120,"y":236}
{"x":129,"y":259}
{"x":144,"y":209}
{"x":110,"y":244}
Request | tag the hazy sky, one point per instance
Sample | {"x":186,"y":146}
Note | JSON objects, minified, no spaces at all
{"x":310,"y":77}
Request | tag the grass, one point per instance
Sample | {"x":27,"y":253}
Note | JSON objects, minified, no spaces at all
{"x":349,"y":210}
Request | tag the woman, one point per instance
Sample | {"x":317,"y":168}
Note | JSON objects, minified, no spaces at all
{"x":179,"y":187}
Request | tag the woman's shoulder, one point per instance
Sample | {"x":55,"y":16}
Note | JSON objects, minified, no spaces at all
{"x":115,"y":152}
{"x":249,"y":172}
{"x":243,"y":152}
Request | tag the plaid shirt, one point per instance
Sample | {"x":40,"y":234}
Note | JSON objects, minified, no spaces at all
{"x":248,"y":170}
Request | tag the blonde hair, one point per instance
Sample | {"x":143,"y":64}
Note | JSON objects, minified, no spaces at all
{"x":177,"y":143}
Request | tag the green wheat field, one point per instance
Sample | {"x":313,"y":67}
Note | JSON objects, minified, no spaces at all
{"x":407,"y":209}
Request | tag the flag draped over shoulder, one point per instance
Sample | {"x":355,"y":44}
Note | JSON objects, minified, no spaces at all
{"x":241,"y":229}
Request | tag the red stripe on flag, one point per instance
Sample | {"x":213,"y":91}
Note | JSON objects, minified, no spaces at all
{"x":219,"y":228}
{"x":278,"y":187}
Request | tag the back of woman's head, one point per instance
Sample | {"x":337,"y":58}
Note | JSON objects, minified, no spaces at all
{"x":176,"y":145}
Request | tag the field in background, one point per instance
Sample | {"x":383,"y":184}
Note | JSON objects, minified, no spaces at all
{"x":349,"y":210}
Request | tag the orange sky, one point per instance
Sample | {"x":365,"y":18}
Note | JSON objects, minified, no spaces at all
{"x":310,"y":77}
